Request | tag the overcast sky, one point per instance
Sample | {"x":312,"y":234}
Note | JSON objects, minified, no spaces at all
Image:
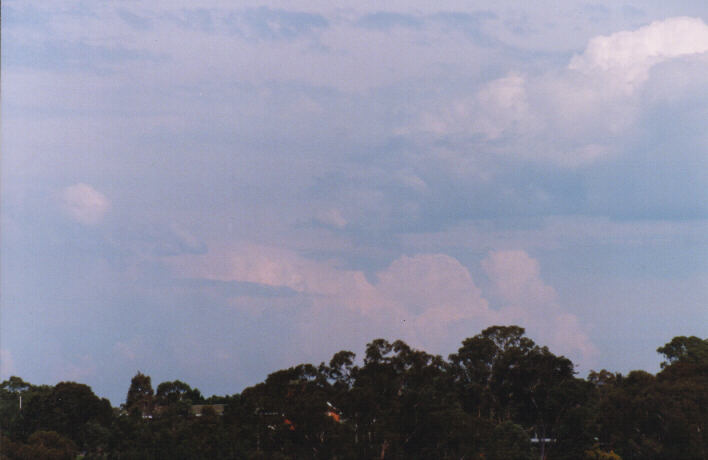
{"x":212,"y":194}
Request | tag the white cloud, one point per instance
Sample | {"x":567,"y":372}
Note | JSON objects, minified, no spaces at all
{"x":498,"y":107}
{"x":591,"y":107}
{"x":570,"y":116}
{"x":502,"y":104}
{"x":84,"y":203}
{"x":626,"y":57}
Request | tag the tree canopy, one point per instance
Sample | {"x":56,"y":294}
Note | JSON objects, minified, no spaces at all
{"x":499,"y":396}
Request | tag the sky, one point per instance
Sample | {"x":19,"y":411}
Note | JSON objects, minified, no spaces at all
{"x":211,"y":194}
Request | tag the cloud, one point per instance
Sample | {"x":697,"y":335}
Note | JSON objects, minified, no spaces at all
{"x":288,"y":125}
{"x":7,"y":364}
{"x":194,"y":18}
{"x":526,"y":299}
{"x":496,"y":108}
{"x":127,"y":351}
{"x":570,"y":116}
{"x":626,"y":57}
{"x":84,"y":203}
{"x":426,"y":281}
{"x":277,"y":267}
{"x":561,"y":233}
{"x":275,"y":24}
{"x":505,"y":103}
{"x":331,"y":217}
{"x":81,"y":369}
{"x":429,"y":300}
{"x":591,"y":108}
{"x":64,"y":55}
{"x":148,"y":239}
{"x":386,"y":20}
{"x":426,"y":291}
{"x":436,"y":298}
{"x":516,"y":277}
{"x":133,"y":20}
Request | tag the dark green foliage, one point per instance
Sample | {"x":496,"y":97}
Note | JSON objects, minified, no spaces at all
{"x":41,"y":445}
{"x":139,"y":401}
{"x":662,"y":416}
{"x":685,"y":350}
{"x":501,"y":396}
{"x":70,"y":409}
{"x":177,"y":391}
{"x":509,"y":442}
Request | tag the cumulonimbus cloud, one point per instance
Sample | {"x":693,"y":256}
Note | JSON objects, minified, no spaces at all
{"x":84,"y":203}
{"x":628,"y":56}
{"x":525,"y":298}
{"x":574,"y":115}
{"x":426,"y":299}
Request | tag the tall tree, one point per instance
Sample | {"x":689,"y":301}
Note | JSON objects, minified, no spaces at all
{"x":176,"y":391}
{"x":139,"y":399}
{"x":684,"y":349}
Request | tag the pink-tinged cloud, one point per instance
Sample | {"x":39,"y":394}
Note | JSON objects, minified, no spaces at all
{"x":527,"y":300}
{"x":127,"y":351}
{"x":331,"y":217}
{"x":429,"y":300}
{"x":516,"y":278}
{"x":275,"y":267}
{"x":84,"y":203}
{"x":78,"y":370}
{"x":428,"y":281}
{"x":7,"y":364}
{"x":432,"y":292}
{"x":415,"y":298}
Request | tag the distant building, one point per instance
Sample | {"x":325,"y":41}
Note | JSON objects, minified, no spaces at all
{"x":198,"y":410}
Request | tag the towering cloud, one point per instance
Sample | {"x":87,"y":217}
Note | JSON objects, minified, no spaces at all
{"x":430,"y":300}
{"x":571,"y":116}
{"x":626,"y":57}
{"x":526,"y":299}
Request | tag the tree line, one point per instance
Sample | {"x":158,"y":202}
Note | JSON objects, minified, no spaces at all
{"x":499,"y":397}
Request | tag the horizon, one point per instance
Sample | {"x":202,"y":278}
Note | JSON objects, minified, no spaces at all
{"x":358,"y":361}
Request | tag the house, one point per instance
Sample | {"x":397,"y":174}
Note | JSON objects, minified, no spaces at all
{"x":198,"y":410}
